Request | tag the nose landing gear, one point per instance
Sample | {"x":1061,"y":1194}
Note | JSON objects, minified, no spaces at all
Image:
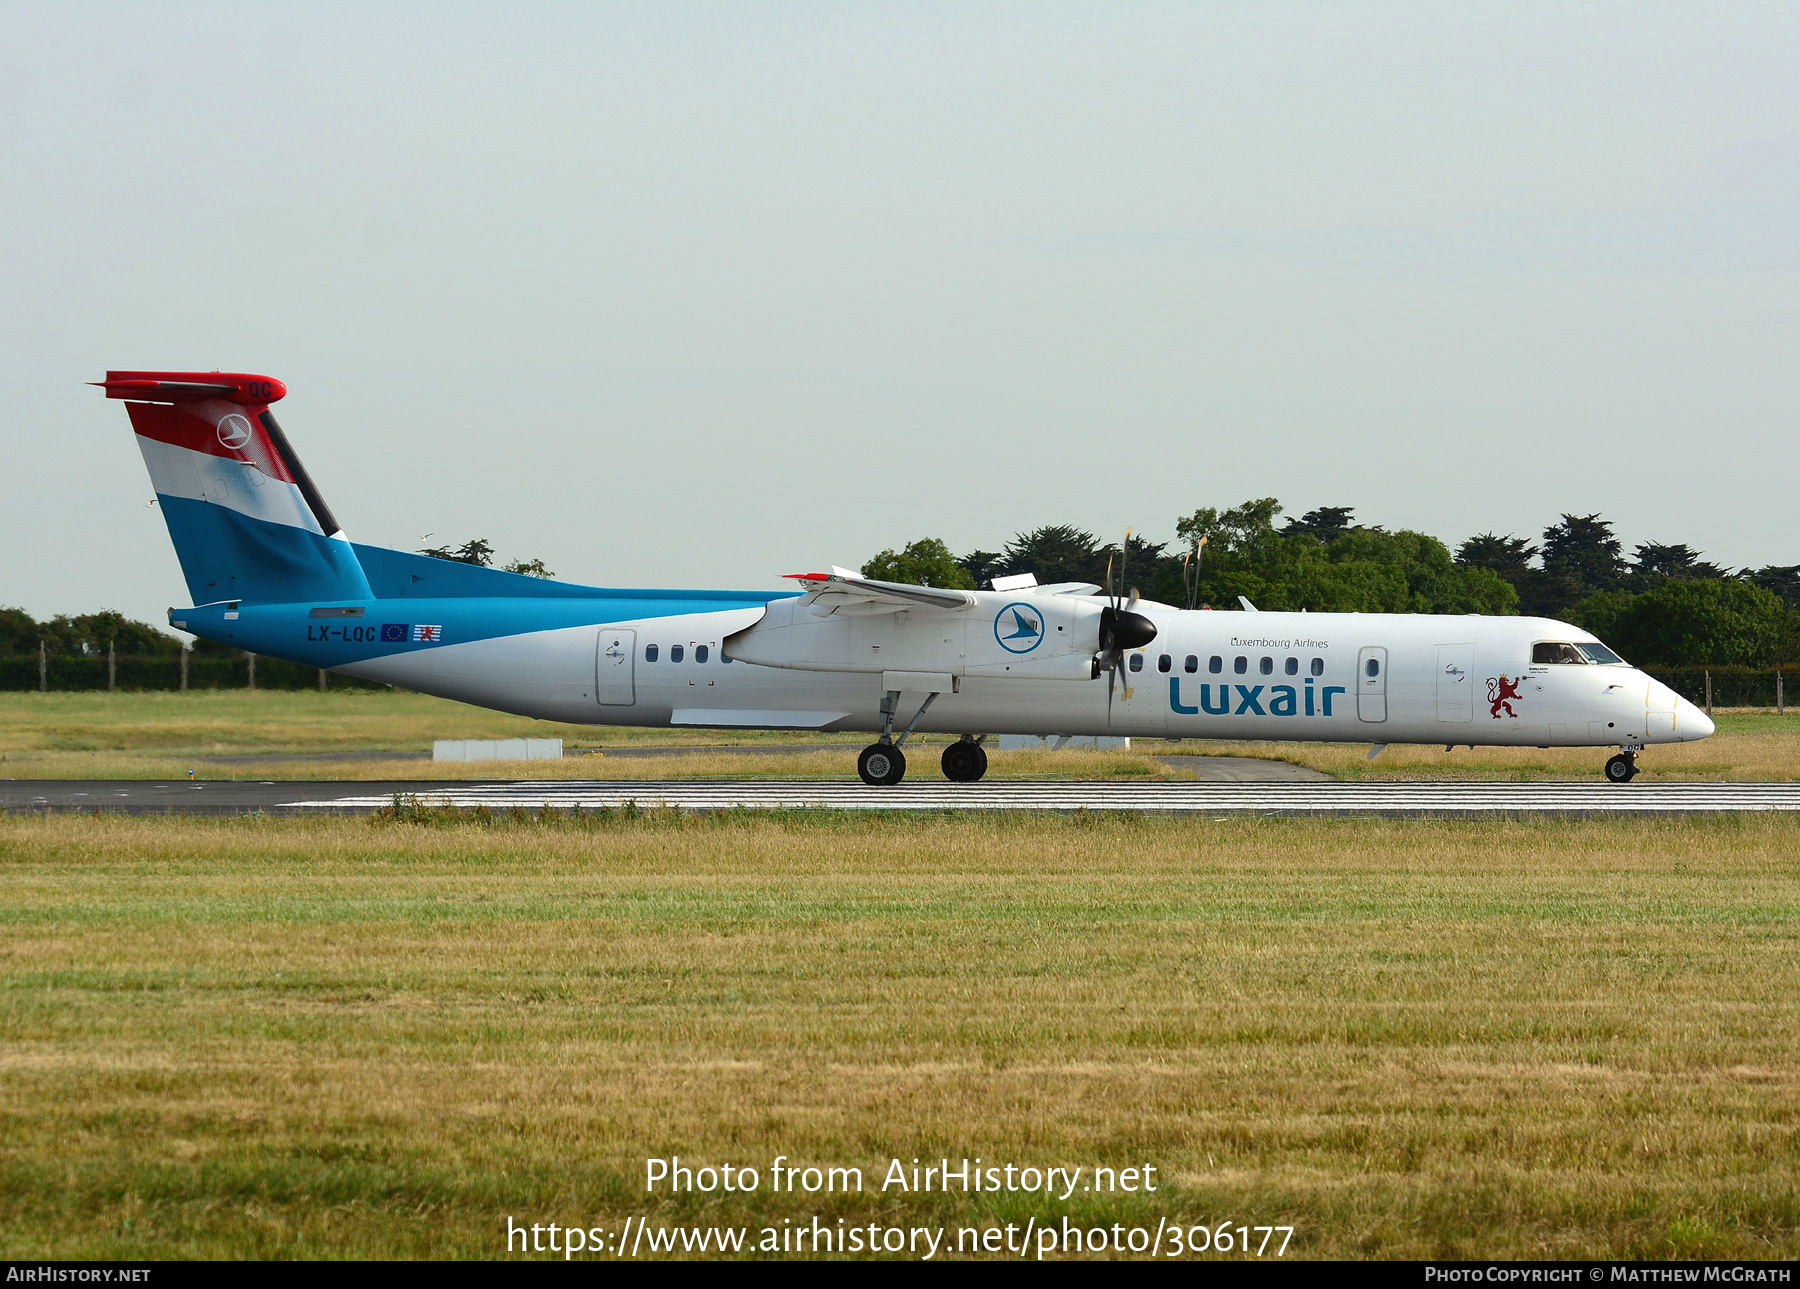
{"x":1623,"y":768}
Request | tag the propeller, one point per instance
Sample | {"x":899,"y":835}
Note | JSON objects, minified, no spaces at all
{"x":1121,"y":627}
{"x":1190,"y":571}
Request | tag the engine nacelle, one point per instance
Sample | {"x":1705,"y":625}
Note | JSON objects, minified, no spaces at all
{"x":1001,"y":634}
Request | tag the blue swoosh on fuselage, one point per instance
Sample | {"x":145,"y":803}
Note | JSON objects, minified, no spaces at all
{"x":290,"y":631}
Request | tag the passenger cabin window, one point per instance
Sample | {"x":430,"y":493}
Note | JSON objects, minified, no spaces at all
{"x":1191,"y":665}
{"x":1267,"y":666}
{"x":1291,"y":666}
{"x":1318,"y":666}
{"x":1137,"y":662}
{"x":1374,"y":667}
{"x":649,"y":653}
{"x":1240,"y":664}
{"x":1215,"y":664}
{"x":1599,"y":653}
{"x":699,"y":653}
{"x":1547,"y":653}
{"x":1163,"y":663}
{"x":675,"y":653}
{"x":724,"y":657}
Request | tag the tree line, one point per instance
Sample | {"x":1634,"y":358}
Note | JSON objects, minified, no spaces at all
{"x":91,"y":634}
{"x":1662,"y":605}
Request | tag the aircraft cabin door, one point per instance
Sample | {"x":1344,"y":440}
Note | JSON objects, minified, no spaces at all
{"x":1455,"y":688}
{"x":1371,"y":684}
{"x":613,"y":664}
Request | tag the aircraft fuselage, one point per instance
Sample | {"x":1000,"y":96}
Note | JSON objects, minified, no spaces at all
{"x":643,"y":661}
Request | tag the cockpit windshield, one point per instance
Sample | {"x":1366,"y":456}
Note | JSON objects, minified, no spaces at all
{"x":1545,"y":652}
{"x":1553,"y":652}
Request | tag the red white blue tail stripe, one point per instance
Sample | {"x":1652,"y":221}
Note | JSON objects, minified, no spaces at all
{"x":246,"y":520}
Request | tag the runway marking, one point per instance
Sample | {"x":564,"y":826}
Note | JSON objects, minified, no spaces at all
{"x":1159,"y":798}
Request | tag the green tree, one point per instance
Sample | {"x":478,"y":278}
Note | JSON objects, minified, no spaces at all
{"x":1583,"y":548}
{"x":474,"y":551}
{"x":1508,"y":556}
{"x":530,"y":568}
{"x":1326,"y":565}
{"x":18,"y":632}
{"x":983,"y":566}
{"x":91,"y":632}
{"x":1692,"y":622}
{"x":1782,"y":579}
{"x":1325,"y":523}
{"x":1056,"y":553}
{"x":1242,"y":536}
{"x":1653,"y":561}
{"x":1608,"y":615}
{"x":926,"y":562}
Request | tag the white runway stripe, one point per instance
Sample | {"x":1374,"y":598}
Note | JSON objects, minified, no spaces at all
{"x":1172,"y":798}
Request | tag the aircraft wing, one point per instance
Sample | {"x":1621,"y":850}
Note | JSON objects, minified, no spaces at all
{"x":840,"y":589}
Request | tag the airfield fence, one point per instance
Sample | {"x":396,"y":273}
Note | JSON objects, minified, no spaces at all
{"x":62,"y":672}
{"x":1731,"y":686}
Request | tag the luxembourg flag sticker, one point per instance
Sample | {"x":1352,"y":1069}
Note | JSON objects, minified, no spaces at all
{"x":427,"y":635}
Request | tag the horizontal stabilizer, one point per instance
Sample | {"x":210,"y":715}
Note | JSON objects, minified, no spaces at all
{"x":191,"y":386}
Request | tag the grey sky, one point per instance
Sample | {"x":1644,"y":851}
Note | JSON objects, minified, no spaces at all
{"x":698,"y":296}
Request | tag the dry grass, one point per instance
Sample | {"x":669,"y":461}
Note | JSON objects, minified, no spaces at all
{"x":1410,"y":1039}
{"x":163,"y":735}
{"x":1750,"y":746}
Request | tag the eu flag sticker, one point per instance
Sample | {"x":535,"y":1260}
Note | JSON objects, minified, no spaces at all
{"x":393,"y":633}
{"x":428,"y":635}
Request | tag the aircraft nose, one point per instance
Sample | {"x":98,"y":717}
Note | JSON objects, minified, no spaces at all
{"x":1691,"y":723}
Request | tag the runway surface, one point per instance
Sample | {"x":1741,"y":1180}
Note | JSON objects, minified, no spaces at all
{"x":1417,"y":800}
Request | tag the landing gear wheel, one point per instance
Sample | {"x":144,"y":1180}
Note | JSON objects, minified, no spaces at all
{"x":964,"y":762}
{"x":1622,"y":768}
{"x":881,"y":765}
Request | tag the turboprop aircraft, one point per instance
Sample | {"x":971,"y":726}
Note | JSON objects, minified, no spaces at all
{"x":270,"y":571}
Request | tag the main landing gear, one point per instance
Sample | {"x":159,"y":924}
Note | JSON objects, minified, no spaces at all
{"x":1623,"y":768}
{"x":882,"y":764}
{"x":965,"y":761}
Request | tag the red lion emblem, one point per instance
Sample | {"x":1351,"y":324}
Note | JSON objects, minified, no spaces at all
{"x":1500,"y":694}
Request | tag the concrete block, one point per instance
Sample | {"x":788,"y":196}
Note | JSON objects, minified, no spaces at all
{"x":506,"y":749}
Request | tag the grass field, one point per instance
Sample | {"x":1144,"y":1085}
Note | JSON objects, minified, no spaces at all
{"x":342,"y":735}
{"x":379,"y":1038}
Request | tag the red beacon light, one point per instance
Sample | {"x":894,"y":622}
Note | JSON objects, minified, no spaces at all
{"x":192,"y":386}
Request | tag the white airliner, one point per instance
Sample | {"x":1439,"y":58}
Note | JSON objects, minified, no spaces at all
{"x":271,"y":571}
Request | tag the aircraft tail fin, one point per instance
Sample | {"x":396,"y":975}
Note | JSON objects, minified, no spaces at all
{"x":246,"y":519}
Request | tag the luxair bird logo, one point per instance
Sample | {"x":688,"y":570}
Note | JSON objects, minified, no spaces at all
{"x":1019,"y":628}
{"x":1502,"y":693}
{"x":234,"y":431}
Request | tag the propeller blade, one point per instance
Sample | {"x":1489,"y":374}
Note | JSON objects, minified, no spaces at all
{"x":1124,"y":559}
